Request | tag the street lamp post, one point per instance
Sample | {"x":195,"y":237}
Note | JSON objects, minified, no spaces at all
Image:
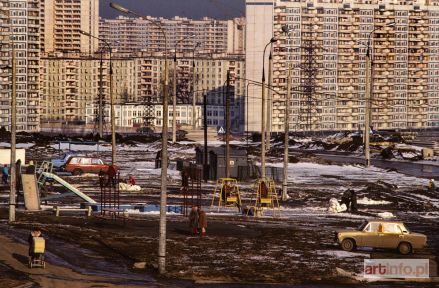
{"x":272,"y":40}
{"x":228,"y":125}
{"x":194,"y":84}
{"x":164,"y":166}
{"x":174,"y":96}
{"x":369,"y":88}
{"x":270,"y":100}
{"x":13,"y":167}
{"x":101,"y":96}
{"x":112,"y":112}
{"x":287,"y":31}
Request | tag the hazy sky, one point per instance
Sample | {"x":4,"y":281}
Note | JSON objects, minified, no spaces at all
{"x":219,"y":9}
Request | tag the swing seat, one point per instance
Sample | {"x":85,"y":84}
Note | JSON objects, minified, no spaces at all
{"x":266,"y":200}
{"x":231,"y":199}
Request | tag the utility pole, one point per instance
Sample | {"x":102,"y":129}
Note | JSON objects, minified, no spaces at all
{"x":174,"y":96}
{"x":367,"y":113}
{"x":12,"y":202}
{"x":270,"y":101}
{"x":101,"y":96}
{"x":174,"y":100}
{"x":286,"y":139}
{"x":205,"y":170}
{"x":228,"y":125}
{"x":263,"y":108}
{"x":164,"y":171}
{"x":368,"y":98}
{"x":194,"y":87}
{"x":287,"y":31}
{"x":113,"y":114}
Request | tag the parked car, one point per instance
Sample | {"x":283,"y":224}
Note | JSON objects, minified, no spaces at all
{"x":85,"y":164}
{"x":58,"y":163}
{"x":381,"y":234}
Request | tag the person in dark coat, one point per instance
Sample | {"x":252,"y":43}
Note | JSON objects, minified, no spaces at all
{"x":101,"y":178}
{"x":346,"y":199}
{"x":202,"y":222}
{"x":193,"y":220}
{"x":353,"y":201}
{"x":18,"y":183}
{"x":5,"y":174}
{"x":30,"y":169}
{"x":111,"y":175}
{"x":36,"y":232}
{"x":18,"y":175}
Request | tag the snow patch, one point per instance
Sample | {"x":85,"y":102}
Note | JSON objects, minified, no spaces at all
{"x":367,"y":201}
{"x":342,"y":254}
{"x":386,"y":215}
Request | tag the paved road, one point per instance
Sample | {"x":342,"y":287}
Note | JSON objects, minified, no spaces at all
{"x":421,"y":170}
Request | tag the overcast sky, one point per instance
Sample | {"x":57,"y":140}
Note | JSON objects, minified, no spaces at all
{"x":218,"y":9}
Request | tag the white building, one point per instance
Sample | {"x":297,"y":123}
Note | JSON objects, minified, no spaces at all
{"x":134,"y":115}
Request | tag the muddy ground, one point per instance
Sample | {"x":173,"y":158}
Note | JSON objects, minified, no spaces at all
{"x":296,"y":249}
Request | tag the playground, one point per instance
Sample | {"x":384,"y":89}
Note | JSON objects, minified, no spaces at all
{"x":252,"y":236}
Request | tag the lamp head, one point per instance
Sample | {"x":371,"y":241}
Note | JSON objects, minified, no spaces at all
{"x":119,"y":8}
{"x":286,"y":29}
{"x":84,"y":33}
{"x":391,"y":24}
{"x":273,"y":40}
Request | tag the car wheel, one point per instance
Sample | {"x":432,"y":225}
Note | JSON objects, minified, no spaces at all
{"x":404,"y":248}
{"x":77,"y":172}
{"x":348,"y":245}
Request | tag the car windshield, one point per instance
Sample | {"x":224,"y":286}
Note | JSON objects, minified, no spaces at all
{"x":403,"y":228}
{"x":361,"y":227}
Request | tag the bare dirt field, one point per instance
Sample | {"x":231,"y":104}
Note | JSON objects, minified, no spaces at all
{"x":296,"y":249}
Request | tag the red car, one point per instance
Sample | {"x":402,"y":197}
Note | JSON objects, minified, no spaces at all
{"x":84,"y":164}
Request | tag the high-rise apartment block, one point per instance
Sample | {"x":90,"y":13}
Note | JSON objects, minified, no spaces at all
{"x":327,"y":48}
{"x":70,"y":86}
{"x":137,"y":34}
{"x":19,"y":25}
{"x":61,"y":21}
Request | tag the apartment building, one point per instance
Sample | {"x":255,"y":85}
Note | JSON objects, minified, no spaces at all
{"x":70,"y":86}
{"x":61,"y":21}
{"x":69,"y":82}
{"x":137,"y":34}
{"x":19,"y":24}
{"x":327,"y":49}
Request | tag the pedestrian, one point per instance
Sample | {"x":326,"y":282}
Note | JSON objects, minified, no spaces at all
{"x":30,"y":169}
{"x":111,"y":172}
{"x":202,"y":222}
{"x":193,"y":220}
{"x":18,"y":175}
{"x":35,"y":232}
{"x":18,"y":183}
{"x":346,"y":199}
{"x":353,"y":201}
{"x":131,"y":180}
{"x":101,"y":178}
{"x":5,"y":174}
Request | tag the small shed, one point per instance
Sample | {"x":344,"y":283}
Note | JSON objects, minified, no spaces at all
{"x":216,"y":160}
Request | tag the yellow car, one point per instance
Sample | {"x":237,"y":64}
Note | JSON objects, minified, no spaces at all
{"x":381,"y":234}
